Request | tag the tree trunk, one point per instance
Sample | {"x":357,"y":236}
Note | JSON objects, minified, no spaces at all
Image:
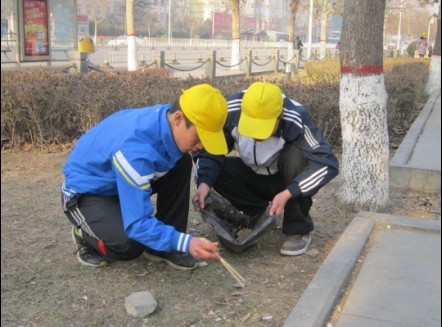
{"x":434,"y":84}
{"x":290,"y":53}
{"x":236,"y":35}
{"x":131,"y":38}
{"x":95,"y":33}
{"x":363,"y":107}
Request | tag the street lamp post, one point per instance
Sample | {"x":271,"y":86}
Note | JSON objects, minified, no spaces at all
{"x":170,"y":22}
{"x":310,"y":30}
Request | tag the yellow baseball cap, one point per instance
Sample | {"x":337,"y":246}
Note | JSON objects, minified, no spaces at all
{"x":424,"y":34}
{"x":206,"y":108}
{"x":261,"y":107}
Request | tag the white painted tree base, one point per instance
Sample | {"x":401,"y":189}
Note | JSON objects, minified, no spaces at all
{"x":290,"y":55}
{"x":236,"y":55}
{"x":131,"y":53}
{"x":433,"y":84}
{"x":365,"y":143}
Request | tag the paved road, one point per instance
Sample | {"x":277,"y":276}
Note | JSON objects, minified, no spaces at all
{"x":120,"y":53}
{"x":184,"y":67}
{"x":184,"y":61}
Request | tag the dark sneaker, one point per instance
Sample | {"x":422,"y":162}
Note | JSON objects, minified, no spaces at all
{"x":86,"y":255}
{"x":296,"y":244}
{"x":178,"y":260}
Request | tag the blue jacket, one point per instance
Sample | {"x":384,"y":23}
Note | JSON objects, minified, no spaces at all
{"x":121,"y":156}
{"x":296,"y":126}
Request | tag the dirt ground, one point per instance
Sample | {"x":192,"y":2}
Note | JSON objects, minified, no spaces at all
{"x":44,"y":285}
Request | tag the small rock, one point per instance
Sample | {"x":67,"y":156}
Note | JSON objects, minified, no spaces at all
{"x":313,"y":253}
{"x":140,"y":304}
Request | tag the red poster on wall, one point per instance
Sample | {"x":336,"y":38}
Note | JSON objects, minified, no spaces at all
{"x":222,"y":23}
{"x":36,"y":27}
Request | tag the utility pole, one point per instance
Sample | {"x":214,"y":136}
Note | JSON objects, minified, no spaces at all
{"x":399,"y":34}
{"x":310,"y":30}
{"x":170,"y":22}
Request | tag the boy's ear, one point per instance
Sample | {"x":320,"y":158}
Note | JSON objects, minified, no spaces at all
{"x":178,"y":117}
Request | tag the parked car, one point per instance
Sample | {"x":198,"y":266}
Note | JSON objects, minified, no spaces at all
{"x":121,"y":41}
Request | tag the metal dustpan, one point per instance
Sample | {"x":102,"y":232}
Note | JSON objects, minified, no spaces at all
{"x":235,"y":230}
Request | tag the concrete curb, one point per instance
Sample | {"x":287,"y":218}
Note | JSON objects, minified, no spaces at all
{"x":403,"y":221}
{"x":319,"y":299}
{"x":404,"y":175}
{"x":314,"y":307}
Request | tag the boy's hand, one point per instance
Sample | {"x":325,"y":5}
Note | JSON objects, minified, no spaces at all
{"x":200,"y":196}
{"x":278,"y":203}
{"x":203,"y":249}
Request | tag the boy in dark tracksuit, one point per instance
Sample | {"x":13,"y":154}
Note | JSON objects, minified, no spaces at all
{"x":120,"y":163}
{"x":283,"y":159}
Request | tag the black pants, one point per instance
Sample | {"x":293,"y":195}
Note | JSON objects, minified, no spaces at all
{"x":251,"y":193}
{"x":101,"y":221}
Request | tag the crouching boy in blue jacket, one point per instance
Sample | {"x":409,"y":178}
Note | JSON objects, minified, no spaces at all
{"x":117,"y":166}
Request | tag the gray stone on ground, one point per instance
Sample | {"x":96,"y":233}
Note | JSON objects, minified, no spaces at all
{"x":140,"y":304}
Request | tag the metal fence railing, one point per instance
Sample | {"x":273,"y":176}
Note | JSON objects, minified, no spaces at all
{"x":184,"y":55}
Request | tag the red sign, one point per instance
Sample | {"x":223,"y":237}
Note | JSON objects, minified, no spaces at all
{"x":82,"y":18}
{"x":222,"y":23}
{"x":248,"y":23}
{"x":36,"y":32}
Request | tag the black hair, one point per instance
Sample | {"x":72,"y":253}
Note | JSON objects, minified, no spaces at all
{"x":176,"y":107}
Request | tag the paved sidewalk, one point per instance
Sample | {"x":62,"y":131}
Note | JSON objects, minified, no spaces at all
{"x":417,"y":162}
{"x":399,"y":281}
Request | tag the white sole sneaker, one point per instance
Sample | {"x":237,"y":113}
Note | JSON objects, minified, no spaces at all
{"x":300,"y":251}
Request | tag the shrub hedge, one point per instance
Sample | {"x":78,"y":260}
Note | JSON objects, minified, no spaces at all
{"x":40,"y":108}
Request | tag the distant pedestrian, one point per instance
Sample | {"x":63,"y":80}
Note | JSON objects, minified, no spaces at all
{"x":298,"y":45}
{"x":338,"y":46}
{"x":422,"y":45}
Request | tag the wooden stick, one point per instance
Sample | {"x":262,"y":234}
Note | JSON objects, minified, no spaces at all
{"x":230,"y":267}
{"x":234,"y":275}
{"x":241,"y":280}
